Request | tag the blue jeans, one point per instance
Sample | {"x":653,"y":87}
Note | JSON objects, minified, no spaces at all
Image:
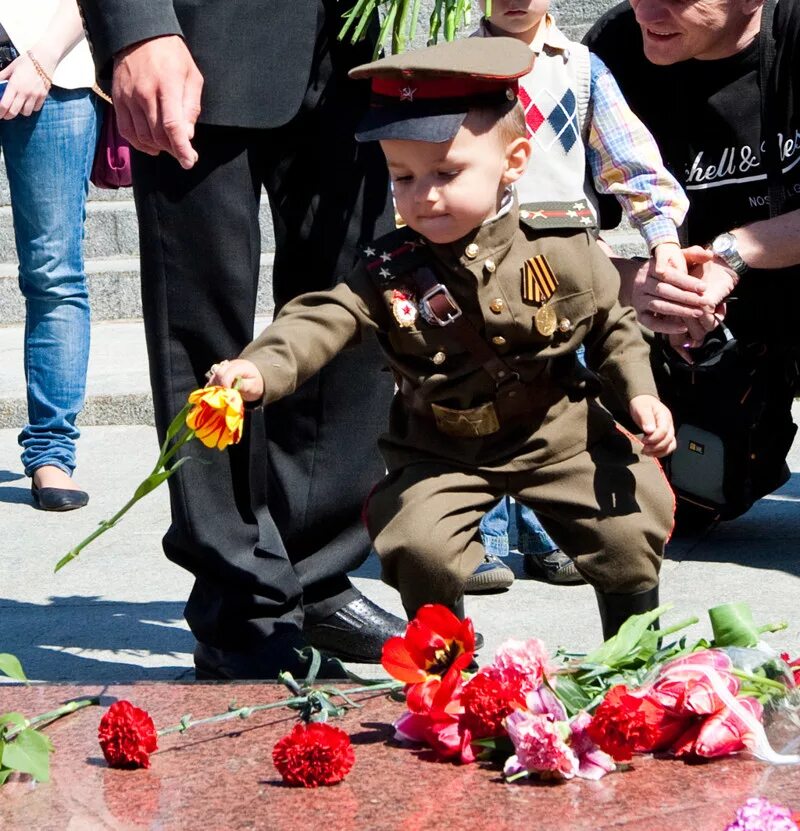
{"x":48,"y":158}
{"x":497,"y":526}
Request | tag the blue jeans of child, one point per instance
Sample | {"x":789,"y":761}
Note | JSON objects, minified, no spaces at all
{"x":48,"y":157}
{"x":497,"y":525}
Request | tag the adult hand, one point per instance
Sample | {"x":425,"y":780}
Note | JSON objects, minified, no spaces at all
{"x":156,"y":94}
{"x":26,"y":91}
{"x":663,"y":304}
{"x":655,"y":421}
{"x":719,"y":279}
{"x":241,"y":372}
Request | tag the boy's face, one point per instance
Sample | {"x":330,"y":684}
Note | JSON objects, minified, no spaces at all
{"x":515,"y":18}
{"x":445,"y":190}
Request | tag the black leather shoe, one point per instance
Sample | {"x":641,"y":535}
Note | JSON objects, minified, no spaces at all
{"x":278,"y":655}
{"x":58,"y":499}
{"x":356,"y":632}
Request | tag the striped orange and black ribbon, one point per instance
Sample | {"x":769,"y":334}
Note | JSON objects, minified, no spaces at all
{"x":539,"y":282}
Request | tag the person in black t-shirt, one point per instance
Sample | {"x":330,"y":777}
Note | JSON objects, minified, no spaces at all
{"x":690,"y":71}
{"x":693,"y":73}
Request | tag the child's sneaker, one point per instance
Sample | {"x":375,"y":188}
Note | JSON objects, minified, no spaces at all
{"x":554,"y":567}
{"x":492,"y":575}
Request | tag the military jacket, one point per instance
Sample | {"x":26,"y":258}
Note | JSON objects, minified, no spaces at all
{"x":484,"y":272}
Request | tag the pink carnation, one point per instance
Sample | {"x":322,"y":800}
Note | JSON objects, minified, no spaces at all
{"x":529,"y":659}
{"x":540,"y":746}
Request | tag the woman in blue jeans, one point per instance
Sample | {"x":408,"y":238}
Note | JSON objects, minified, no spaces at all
{"x":49,"y":119}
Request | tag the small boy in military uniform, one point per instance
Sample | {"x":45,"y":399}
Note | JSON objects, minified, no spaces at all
{"x":480,"y":309}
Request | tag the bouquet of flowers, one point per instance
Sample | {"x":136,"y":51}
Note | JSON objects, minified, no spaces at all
{"x":566,"y":716}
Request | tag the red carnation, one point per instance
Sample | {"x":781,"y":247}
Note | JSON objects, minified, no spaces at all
{"x":314,"y":754}
{"x":624,"y":724}
{"x":127,"y":736}
{"x":487,"y":699}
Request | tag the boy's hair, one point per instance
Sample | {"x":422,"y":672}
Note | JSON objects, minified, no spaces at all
{"x":510,"y":123}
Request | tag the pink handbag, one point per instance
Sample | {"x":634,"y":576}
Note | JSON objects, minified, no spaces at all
{"x":112,"y":159}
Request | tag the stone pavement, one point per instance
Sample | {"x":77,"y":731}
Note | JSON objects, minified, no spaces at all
{"x":116,"y":613}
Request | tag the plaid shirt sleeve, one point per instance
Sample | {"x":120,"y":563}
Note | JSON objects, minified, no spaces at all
{"x":625,"y":162}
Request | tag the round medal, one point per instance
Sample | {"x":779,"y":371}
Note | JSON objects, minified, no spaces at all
{"x":545,"y":320}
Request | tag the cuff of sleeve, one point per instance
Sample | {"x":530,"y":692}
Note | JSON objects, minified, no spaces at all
{"x":124,"y":29}
{"x":659,"y":230}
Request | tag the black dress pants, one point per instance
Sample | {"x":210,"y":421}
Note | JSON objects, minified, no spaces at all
{"x":271,"y":527}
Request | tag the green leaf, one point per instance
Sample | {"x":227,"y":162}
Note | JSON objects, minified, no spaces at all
{"x":10,"y":666}
{"x":15,"y":719}
{"x":4,"y":774}
{"x":29,"y":753}
{"x":571,"y":694}
{"x":733,"y":625}
{"x":621,"y":646}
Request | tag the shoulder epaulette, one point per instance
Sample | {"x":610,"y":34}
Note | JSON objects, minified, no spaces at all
{"x":394,"y":254}
{"x":544,"y":216}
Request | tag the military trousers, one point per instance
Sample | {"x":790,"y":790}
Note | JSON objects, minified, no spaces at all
{"x":608,"y":507}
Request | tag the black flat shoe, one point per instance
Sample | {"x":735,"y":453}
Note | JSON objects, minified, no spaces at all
{"x":356,"y":632}
{"x":58,"y":499}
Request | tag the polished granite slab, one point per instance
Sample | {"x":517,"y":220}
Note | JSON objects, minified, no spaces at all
{"x":221,"y":776}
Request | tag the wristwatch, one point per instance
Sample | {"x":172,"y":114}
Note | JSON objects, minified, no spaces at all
{"x":724,"y":246}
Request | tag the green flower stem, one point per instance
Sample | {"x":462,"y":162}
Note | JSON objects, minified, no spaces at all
{"x":773,"y":627}
{"x":676,"y":627}
{"x":53,"y":715}
{"x":759,"y":682}
{"x":245,"y":712}
{"x":160,"y":474}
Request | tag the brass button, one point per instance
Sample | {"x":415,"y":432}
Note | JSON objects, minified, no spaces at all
{"x":497,"y":305}
{"x":564,"y":325}
{"x":439,"y":358}
{"x":499,"y":340}
{"x":490,"y":266}
{"x":510,"y":94}
{"x":472,"y":250}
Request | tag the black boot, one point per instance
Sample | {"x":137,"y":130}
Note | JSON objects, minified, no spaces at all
{"x":615,"y":609}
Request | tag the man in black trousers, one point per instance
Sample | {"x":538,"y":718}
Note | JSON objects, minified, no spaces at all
{"x":221,"y":97}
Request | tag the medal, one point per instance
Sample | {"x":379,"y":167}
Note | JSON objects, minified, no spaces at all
{"x":539,"y":282}
{"x":545,"y":320}
{"x":403,"y":308}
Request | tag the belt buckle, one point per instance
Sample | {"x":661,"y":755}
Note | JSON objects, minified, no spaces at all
{"x":466,"y":424}
{"x":430,"y":314}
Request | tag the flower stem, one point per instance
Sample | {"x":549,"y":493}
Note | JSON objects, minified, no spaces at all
{"x":245,"y":712}
{"x":52,"y":715}
{"x":759,"y":681}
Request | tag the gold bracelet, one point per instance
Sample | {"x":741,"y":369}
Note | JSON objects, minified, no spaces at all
{"x":48,"y":81}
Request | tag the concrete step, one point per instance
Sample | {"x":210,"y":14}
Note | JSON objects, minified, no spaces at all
{"x":113,"y":289}
{"x":118,"y":385}
{"x":111,"y":230}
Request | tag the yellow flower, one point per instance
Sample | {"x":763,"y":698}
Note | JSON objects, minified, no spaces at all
{"x":216,"y":416}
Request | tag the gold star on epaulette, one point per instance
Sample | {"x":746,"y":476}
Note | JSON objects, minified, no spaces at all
{"x":539,"y":282}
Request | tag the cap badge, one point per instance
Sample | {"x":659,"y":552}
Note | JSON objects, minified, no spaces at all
{"x":404,"y":308}
{"x":407,"y":94}
{"x":539,"y":282}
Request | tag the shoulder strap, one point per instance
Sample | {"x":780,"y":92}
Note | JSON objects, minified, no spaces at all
{"x":547,"y":216}
{"x":394,"y":254}
{"x":769,"y":127}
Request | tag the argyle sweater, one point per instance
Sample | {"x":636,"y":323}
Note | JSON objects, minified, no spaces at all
{"x":586,"y":140}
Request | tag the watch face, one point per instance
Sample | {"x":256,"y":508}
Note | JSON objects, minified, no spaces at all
{"x":723,"y":244}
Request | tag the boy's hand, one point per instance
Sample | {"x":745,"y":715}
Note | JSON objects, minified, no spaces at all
{"x":227,"y":373}
{"x":655,"y":422}
{"x":666,"y":260}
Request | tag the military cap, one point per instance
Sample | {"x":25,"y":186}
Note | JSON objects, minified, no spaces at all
{"x":425,"y":94}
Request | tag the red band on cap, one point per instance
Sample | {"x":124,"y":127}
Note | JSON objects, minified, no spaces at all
{"x":412,"y":89}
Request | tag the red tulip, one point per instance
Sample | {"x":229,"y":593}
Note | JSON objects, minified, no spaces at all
{"x":685,"y":685}
{"x":728,"y":731}
{"x":435,"y":642}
